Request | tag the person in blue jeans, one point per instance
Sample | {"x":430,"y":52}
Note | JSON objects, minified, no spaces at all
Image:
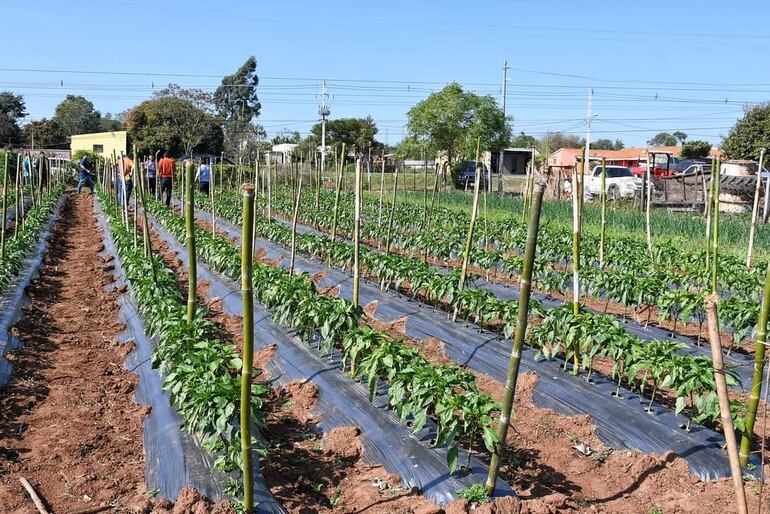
{"x":151,"y":174}
{"x":204,"y":175}
{"x":85,"y":175}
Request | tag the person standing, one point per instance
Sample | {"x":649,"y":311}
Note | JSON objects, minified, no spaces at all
{"x":85,"y":174}
{"x":126,"y":177}
{"x":204,"y":175}
{"x":151,"y":173}
{"x":166,"y":168}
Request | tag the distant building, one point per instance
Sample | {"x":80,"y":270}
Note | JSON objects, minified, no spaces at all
{"x":281,"y":153}
{"x":102,"y":143}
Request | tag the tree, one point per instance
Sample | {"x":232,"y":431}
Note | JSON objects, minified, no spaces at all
{"x":750,"y":134}
{"x":237,"y":104}
{"x":452,"y":121}
{"x":557,"y":140}
{"x":680,"y":136}
{"x":607,"y":144}
{"x":108,"y":123}
{"x":356,"y":133}
{"x":45,"y":133}
{"x":662,"y":139}
{"x":524,"y":141}
{"x":12,"y":109}
{"x":177,"y":120}
{"x":695,"y":150}
{"x":76,"y":115}
{"x":287,"y":136}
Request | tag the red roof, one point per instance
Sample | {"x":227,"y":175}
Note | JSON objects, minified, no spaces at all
{"x":566,"y":157}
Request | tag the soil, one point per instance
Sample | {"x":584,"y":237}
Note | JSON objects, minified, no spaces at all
{"x":68,"y":422}
{"x":548,"y":474}
{"x":307,"y":471}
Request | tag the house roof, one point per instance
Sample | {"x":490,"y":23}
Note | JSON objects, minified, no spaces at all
{"x":566,"y":157}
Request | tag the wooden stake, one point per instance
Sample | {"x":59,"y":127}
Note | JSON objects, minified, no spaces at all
{"x":392,"y":211}
{"x":357,"y":234}
{"x":603,"y":225}
{"x":724,"y":402}
{"x":525,"y":285}
{"x":247,"y":297}
{"x":294,"y":225}
{"x":471,"y":227}
{"x":755,"y":208}
{"x":192,"y":267}
{"x":33,"y":494}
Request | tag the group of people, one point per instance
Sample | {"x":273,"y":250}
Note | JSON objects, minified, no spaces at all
{"x":163,"y":170}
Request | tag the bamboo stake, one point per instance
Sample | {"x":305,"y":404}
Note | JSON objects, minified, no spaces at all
{"x":382,"y":190}
{"x":33,"y":495}
{"x":724,"y":402}
{"x":248,"y":344}
{"x":192,"y":270}
{"x":392,"y":211}
{"x":525,"y":284}
{"x":603,"y":224}
{"x":756,"y":379}
{"x":146,"y":227}
{"x":357,"y":234}
{"x":5,"y":207}
{"x":648,"y":204}
{"x":337,"y":188}
{"x":469,"y":237}
{"x":755,"y":208}
{"x":575,"y":256}
{"x":17,"y":213}
{"x":709,"y":203}
{"x":715,"y":251}
{"x":294,"y":225}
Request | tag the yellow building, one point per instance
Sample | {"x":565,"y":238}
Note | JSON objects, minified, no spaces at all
{"x":102,"y":143}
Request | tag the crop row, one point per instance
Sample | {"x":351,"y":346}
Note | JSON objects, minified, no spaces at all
{"x":17,"y":247}
{"x":418,"y":390}
{"x":672,"y":284}
{"x":201,"y":372}
{"x":647,"y":366}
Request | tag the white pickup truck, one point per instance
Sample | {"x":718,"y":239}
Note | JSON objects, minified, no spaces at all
{"x":619,"y":182}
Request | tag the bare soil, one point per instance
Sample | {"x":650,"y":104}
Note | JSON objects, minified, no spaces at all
{"x":68,"y":422}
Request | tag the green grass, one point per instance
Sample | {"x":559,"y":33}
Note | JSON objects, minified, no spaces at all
{"x":687,"y":229}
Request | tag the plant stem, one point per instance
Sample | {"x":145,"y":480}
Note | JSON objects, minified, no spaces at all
{"x":192,"y":270}
{"x":248,"y":344}
{"x":514,"y":361}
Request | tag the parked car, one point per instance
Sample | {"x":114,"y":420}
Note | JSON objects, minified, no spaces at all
{"x":620,"y":182}
{"x":464,"y":174}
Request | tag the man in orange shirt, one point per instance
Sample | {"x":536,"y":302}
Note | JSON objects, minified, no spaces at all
{"x":126,"y":177}
{"x":166,"y":167}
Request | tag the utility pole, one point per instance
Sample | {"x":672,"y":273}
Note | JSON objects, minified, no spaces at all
{"x":502,"y":150}
{"x":323,"y":111}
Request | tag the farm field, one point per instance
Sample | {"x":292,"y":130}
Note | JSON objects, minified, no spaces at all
{"x":319,"y":258}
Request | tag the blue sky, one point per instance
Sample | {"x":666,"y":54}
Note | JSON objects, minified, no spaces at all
{"x":654,"y":65}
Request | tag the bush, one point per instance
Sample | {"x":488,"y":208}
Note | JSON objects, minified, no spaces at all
{"x":695,"y":150}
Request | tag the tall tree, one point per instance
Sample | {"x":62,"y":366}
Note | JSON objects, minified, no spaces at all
{"x":76,"y":115}
{"x":237,"y":103}
{"x":110,"y":123}
{"x":524,"y":141}
{"x":356,"y":133}
{"x":176,"y":119}
{"x":662,"y":139}
{"x":45,"y":133}
{"x":556,"y":140}
{"x":749,"y":134}
{"x":12,"y":109}
{"x":607,"y":144}
{"x":680,"y":136}
{"x":452,"y":120}
{"x":695,"y":150}
{"x":286,"y":136}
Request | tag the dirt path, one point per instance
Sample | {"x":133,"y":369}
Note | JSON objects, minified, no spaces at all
{"x":68,"y":422}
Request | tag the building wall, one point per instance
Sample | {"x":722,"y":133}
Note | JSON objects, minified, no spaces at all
{"x":102,"y":143}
